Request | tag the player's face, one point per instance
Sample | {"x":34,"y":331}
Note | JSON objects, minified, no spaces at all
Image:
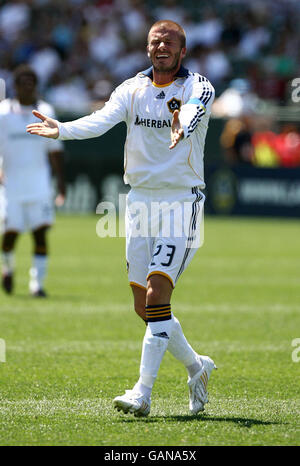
{"x":26,"y":86}
{"x":165,"y":50}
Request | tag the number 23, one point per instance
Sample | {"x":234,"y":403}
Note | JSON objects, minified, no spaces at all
{"x":170,"y":254}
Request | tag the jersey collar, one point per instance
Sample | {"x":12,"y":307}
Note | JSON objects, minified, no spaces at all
{"x":181,"y":73}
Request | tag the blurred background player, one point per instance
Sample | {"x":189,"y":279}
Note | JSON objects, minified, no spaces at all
{"x":26,"y":176}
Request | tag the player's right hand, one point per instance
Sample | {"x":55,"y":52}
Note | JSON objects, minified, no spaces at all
{"x":176,"y":130}
{"x":48,"y":128}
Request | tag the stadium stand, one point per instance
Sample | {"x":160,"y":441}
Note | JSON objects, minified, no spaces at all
{"x":82,"y":49}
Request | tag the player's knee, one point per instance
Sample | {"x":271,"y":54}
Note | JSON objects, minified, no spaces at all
{"x":157,"y":295}
{"x":158,"y":292}
{"x":153,"y":294}
{"x":40,"y":241}
{"x":8,"y":241}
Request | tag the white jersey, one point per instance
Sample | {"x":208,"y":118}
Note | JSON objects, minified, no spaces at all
{"x":25,"y":163}
{"x":147,"y":110}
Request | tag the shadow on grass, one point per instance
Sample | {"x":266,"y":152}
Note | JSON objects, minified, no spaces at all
{"x":241,"y":421}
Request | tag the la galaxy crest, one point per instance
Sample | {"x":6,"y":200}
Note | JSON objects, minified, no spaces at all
{"x":174,"y":104}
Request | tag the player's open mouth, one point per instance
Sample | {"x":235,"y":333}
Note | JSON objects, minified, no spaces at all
{"x":162,"y":56}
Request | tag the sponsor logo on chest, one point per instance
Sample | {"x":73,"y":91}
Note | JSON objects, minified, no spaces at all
{"x":152,"y":123}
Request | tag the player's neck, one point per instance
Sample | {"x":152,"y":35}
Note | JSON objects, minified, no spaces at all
{"x":164,"y":77}
{"x":26,"y":100}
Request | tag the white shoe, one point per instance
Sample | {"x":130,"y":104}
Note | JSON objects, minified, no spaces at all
{"x":198,"y":385}
{"x":133,"y":402}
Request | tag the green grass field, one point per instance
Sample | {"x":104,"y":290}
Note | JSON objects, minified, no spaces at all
{"x":68,"y":356}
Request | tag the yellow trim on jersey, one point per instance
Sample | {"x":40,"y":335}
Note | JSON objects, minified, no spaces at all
{"x":162,"y":85}
{"x":163,"y":274}
{"x":138,"y":285}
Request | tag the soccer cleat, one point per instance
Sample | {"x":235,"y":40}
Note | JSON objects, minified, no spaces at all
{"x":35,"y":290}
{"x":39,"y":293}
{"x":134,"y":403}
{"x":7,"y":282}
{"x":198,"y":385}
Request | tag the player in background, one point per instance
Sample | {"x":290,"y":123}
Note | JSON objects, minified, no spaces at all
{"x":27,"y":163}
{"x":165,"y":98}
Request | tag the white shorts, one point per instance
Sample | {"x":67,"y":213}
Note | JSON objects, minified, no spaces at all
{"x":164,"y":229}
{"x":27,"y":216}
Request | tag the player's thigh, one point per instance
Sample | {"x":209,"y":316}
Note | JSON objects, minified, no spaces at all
{"x":168,"y":257}
{"x":138,"y":244}
{"x":39,"y":214}
{"x":171,"y":255}
{"x":159,"y":290}
{"x":137,"y":257}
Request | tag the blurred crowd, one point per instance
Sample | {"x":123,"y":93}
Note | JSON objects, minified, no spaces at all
{"x":255,"y":142}
{"x":82,"y":49}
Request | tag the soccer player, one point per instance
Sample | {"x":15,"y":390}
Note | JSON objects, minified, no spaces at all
{"x":164,"y":99}
{"x":26,"y":175}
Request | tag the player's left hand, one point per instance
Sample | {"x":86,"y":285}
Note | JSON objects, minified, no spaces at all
{"x":48,"y":128}
{"x":176,"y":130}
{"x":60,"y":200}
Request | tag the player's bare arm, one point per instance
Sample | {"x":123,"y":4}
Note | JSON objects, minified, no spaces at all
{"x":176,"y":130}
{"x":48,"y":128}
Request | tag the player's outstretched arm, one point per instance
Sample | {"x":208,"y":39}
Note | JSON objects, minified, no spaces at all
{"x":48,"y":128}
{"x":176,"y":130}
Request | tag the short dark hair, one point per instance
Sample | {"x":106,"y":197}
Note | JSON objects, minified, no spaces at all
{"x":171,"y":25}
{"x":24,"y":70}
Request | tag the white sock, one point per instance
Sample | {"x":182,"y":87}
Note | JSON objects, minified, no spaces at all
{"x":38,"y":271}
{"x":180,"y":348}
{"x":155,"y":343}
{"x":8,"y":262}
{"x":194,"y":368}
{"x":142,"y":389}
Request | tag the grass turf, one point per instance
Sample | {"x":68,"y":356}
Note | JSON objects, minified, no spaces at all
{"x":69,"y":355}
